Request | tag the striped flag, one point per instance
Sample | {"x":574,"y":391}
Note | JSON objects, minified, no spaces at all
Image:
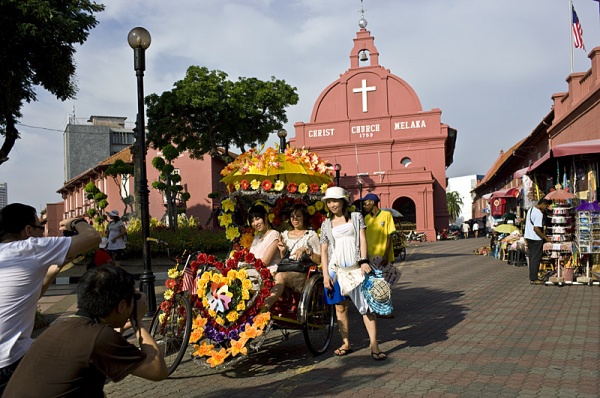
{"x":189,"y":281}
{"x":577,"y":30}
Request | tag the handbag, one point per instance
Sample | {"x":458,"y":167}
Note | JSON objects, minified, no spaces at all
{"x":289,"y":265}
{"x":377,"y":293}
{"x":349,"y":278}
{"x":390,"y":273}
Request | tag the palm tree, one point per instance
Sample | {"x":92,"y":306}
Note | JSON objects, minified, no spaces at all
{"x":454,"y":202}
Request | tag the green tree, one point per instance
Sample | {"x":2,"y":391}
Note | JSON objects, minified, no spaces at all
{"x":454,"y":202}
{"x":169,"y":183}
{"x":99,"y":201}
{"x":206,"y":111}
{"x":120,"y":173}
{"x":37,"y":40}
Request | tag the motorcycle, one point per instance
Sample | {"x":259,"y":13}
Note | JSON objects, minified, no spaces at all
{"x":416,"y":236}
{"x":445,"y":234}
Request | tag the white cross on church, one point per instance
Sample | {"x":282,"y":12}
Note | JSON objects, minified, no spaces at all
{"x":364,"y":90}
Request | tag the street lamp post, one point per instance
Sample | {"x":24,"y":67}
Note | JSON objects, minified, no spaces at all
{"x":282,"y":143}
{"x":360,"y":187}
{"x":337,"y":168}
{"x":139,"y":39}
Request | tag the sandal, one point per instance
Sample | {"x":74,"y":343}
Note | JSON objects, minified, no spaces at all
{"x":378,"y":356}
{"x":340,"y":352}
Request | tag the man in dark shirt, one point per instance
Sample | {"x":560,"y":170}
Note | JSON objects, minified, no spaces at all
{"x":75,"y":356}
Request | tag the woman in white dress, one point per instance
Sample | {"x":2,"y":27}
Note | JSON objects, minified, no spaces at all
{"x":297,"y":242}
{"x":116,"y":235}
{"x":344,"y":244}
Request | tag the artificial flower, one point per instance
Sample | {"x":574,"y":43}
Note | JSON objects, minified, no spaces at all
{"x":203,"y":349}
{"x":232,"y":316}
{"x":324,"y":188}
{"x":238,"y":347}
{"x":313,"y":188}
{"x":251,"y":332}
{"x":170,"y":283}
{"x":173,"y":273}
{"x":241,"y":306}
{"x":228,"y":205}
{"x":292,"y":187}
{"x":246,"y":284}
{"x":217,"y":357}
{"x":246,"y":294}
{"x":303,"y":188}
{"x":279,"y":185}
{"x":196,"y":335}
{"x":212,"y":313}
{"x":271,"y":217}
{"x":255,"y":184}
{"x":168,"y":294}
{"x":246,"y":240}
{"x":319,"y":205}
{"x":237,"y":186}
{"x":161,"y":317}
{"x":225,"y":219}
{"x":245,"y":184}
{"x":267,"y":185}
{"x":199,"y":322}
{"x":262,"y":319}
{"x":232,"y":232}
{"x":311,"y":210}
{"x":220,"y":320}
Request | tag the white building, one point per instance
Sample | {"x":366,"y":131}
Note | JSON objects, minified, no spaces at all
{"x":464,"y":185}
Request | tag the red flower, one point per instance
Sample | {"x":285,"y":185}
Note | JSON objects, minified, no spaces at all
{"x":258,"y":264}
{"x":245,"y":184}
{"x":317,"y":219}
{"x":231,"y":263}
{"x":202,"y":258}
{"x":249,"y":257}
{"x":267,"y":185}
{"x":170,"y":284}
{"x":231,"y":187}
{"x":292,"y":187}
{"x":165,"y":306}
{"x":211,"y":259}
{"x":313,"y":188}
{"x":265,"y":273}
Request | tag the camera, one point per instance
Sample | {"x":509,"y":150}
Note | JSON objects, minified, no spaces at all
{"x":136,"y":297}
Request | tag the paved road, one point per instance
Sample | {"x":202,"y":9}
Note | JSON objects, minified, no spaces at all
{"x":464,"y":326}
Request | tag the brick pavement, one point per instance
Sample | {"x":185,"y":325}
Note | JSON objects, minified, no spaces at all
{"x":464,"y":326}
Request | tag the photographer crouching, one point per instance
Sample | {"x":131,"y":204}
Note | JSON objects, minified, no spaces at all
{"x":74,"y":357}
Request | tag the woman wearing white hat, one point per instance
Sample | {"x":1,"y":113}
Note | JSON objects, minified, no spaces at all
{"x":116,"y":233}
{"x":344,"y":244}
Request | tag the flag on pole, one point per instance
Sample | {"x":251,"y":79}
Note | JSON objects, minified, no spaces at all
{"x":189,"y":280}
{"x":577,"y":30}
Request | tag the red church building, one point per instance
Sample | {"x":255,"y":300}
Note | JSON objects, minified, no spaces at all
{"x":371,"y":124}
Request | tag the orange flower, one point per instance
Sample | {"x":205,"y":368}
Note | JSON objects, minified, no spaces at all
{"x":199,"y":323}
{"x":262,"y":319}
{"x":203,"y":350}
{"x":196,"y":335}
{"x":251,"y":332}
{"x":238,"y":346}
{"x":217,"y":357}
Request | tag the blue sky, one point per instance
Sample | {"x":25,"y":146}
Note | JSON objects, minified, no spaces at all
{"x":490,"y":66}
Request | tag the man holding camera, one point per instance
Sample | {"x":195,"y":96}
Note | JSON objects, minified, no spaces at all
{"x":29,"y":263}
{"x":74,"y":357}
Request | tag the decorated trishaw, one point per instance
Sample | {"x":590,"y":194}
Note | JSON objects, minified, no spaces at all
{"x":217,"y":306}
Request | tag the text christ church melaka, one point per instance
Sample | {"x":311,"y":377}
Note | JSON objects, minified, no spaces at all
{"x":371,"y":123}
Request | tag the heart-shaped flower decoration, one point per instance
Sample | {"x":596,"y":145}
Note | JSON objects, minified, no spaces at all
{"x":227,"y":306}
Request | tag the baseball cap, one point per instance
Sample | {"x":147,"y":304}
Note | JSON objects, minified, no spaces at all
{"x":371,"y":196}
{"x":113,"y":213}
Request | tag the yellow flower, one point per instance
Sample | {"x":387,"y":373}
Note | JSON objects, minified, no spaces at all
{"x":205,"y":302}
{"x":205,"y":276}
{"x":232,"y":274}
{"x":237,"y":186}
{"x":241,"y":306}
{"x":245,"y":294}
{"x":212,"y":313}
{"x":247,"y":284}
{"x":319,"y":205}
{"x":271,"y":217}
{"x":255,"y":184}
{"x":232,"y":232}
{"x":246,"y":240}
{"x":228,"y":205}
{"x":323,"y":188}
{"x":242,"y":274}
{"x":279,"y":185}
{"x":161,"y":317}
{"x":303,"y":188}
{"x":232,"y":316}
{"x":220,"y":320}
{"x":216,"y":278}
{"x":168,"y":294}
{"x":173,"y":273}
{"x":225,"y":219}
{"x":311,"y":210}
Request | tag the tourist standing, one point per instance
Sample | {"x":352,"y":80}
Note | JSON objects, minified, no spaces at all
{"x":116,"y":233}
{"x":535,"y":238}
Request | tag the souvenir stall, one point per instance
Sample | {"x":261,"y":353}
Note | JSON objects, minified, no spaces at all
{"x":561,"y":248}
{"x":587,"y":234}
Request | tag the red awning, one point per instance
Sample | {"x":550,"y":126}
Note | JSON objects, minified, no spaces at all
{"x":507,"y":193}
{"x":569,"y":149}
{"x":520,"y":173}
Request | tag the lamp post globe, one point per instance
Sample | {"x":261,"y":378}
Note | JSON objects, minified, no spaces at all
{"x":139,"y":40}
{"x":282,"y":142}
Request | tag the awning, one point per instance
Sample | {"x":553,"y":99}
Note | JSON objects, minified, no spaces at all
{"x":520,"y":173}
{"x":569,"y":149}
{"x":507,"y":193}
{"x":487,"y":196}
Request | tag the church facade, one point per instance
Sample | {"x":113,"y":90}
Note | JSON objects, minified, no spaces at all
{"x":370,"y":124}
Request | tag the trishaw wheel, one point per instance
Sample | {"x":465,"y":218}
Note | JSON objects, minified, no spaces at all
{"x":173,"y":335}
{"x":403,"y":254}
{"x":316,"y":316}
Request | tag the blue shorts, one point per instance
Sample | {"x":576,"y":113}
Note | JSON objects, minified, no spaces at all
{"x":334,"y":296}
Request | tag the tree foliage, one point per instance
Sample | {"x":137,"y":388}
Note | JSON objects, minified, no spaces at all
{"x":205,"y":111}
{"x":169,"y":183}
{"x":454,"y":202}
{"x":120,"y":173}
{"x":99,"y":202}
{"x":37,"y":39}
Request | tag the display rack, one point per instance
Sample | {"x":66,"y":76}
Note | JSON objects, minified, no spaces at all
{"x":561,"y":245}
{"x":587,"y":233}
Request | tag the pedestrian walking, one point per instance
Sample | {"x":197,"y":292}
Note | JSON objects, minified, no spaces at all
{"x":466,"y":229}
{"x":476,"y":229}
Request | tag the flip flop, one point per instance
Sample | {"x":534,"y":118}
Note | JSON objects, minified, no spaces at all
{"x":378,"y":356}
{"x":340,"y":352}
